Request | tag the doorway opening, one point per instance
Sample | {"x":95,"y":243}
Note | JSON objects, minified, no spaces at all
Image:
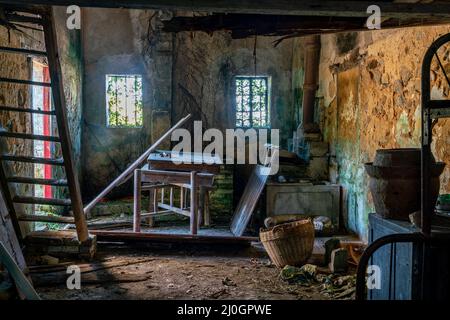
{"x":42,"y":126}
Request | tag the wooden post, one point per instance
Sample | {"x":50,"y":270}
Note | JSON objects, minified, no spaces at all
{"x":194,"y":203}
{"x":155,"y":200}
{"x":201,"y":206}
{"x":181,"y":198}
{"x":137,"y":201}
{"x":151,"y":207}
{"x":207,"y":217}
{"x":171,"y":197}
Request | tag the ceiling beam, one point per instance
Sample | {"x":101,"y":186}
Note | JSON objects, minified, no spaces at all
{"x":327,"y":8}
{"x":244,"y":25}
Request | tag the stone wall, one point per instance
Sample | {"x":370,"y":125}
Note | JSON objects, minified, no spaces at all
{"x":182,"y":73}
{"x":20,"y":67}
{"x":17,"y":95}
{"x":204,"y":69}
{"x":370,"y":99}
{"x":115,"y":42}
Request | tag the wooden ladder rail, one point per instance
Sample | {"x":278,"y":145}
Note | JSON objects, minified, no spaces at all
{"x":61,"y":119}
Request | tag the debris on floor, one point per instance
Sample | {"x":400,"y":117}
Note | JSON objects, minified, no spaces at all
{"x":334,"y":286}
{"x":304,"y":275}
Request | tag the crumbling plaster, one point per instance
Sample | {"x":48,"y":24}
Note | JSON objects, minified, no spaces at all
{"x":370,"y":90}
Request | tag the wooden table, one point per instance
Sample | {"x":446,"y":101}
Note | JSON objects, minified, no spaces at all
{"x":164,"y":170}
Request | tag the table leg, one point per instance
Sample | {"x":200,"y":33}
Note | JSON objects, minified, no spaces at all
{"x":151,"y":208}
{"x":194,"y":203}
{"x":137,"y":201}
{"x":207,"y":217}
{"x":201,"y":205}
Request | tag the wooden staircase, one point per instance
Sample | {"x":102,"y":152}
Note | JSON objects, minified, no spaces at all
{"x":43,"y":17}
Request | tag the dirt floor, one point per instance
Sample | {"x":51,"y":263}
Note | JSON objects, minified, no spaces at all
{"x":188,"y":273}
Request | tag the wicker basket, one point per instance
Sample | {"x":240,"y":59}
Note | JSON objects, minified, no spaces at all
{"x":289,"y":243}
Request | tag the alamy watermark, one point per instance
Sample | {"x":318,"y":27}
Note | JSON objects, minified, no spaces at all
{"x":74,"y":279}
{"x":374,"y":20}
{"x":74,"y":19}
{"x":239,"y":146}
{"x":373,"y":277}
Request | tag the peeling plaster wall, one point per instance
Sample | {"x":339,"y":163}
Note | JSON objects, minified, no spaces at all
{"x":204,"y":70}
{"x":114,"y":42}
{"x":370,"y":90}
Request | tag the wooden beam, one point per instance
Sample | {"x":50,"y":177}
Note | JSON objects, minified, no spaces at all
{"x":122,"y":236}
{"x":249,"y":25}
{"x":23,"y":285}
{"x":327,"y":8}
{"x":59,"y":101}
{"x":46,"y":218}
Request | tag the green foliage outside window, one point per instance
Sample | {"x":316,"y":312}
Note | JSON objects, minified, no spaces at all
{"x":124,"y":101}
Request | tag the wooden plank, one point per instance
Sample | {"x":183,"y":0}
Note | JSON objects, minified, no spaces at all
{"x":87,"y":267}
{"x":248,"y":201}
{"x":122,"y":236}
{"x":189,"y":161}
{"x":59,"y":101}
{"x":23,"y":285}
{"x":28,"y":82}
{"x":28,"y":136}
{"x":30,"y":180}
{"x":174,"y":209}
{"x":8,"y":234}
{"x":175,"y":177}
{"x":124,"y":176}
{"x":328,"y":8}
{"x":88,"y":278}
{"x":23,"y":51}
{"x":10,"y":157}
{"x":7,"y":209}
{"x":137,"y":201}
{"x":46,"y":218}
{"x":27,"y":110}
{"x":194,"y":203}
{"x":38,"y":200}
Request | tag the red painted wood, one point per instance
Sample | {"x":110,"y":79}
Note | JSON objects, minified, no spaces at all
{"x":46,"y":129}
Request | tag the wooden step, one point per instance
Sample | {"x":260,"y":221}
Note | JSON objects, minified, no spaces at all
{"x":23,"y":51}
{"x":29,"y":82}
{"x":50,"y":161}
{"x":29,"y":180}
{"x":45,"y":201}
{"x":15,"y":109}
{"x":46,"y":218}
{"x":7,"y":134}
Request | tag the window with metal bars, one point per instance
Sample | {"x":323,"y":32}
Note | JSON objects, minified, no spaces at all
{"x":252,"y":102}
{"x":124,"y":101}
